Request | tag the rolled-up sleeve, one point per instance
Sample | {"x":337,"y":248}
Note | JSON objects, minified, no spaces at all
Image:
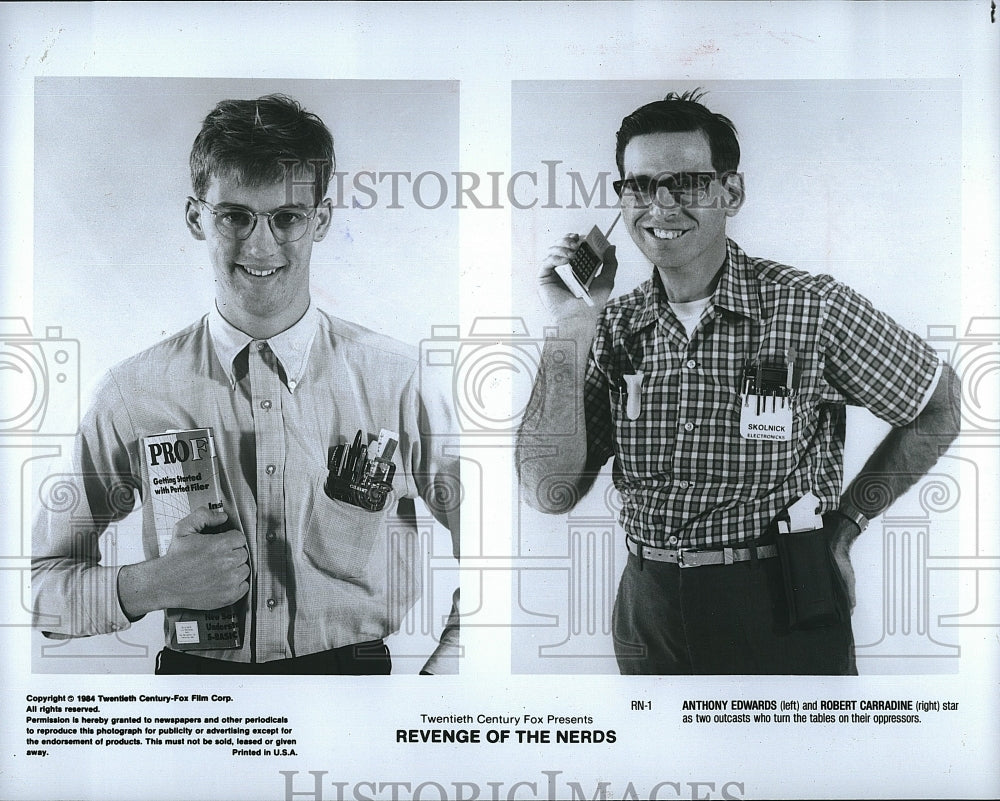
{"x":873,"y":361}
{"x":73,"y":593}
{"x":435,"y":468}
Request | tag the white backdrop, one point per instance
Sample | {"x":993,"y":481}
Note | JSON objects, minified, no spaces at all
{"x":117,"y":269}
{"x":857,"y":179}
{"x":112,"y":176}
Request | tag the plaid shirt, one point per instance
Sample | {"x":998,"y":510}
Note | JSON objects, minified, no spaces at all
{"x":686,"y":475}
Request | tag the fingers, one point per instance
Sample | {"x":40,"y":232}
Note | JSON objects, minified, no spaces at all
{"x":199,"y":520}
{"x":611,"y":258}
{"x":242,"y":590}
{"x":205,"y":571}
{"x":560,"y":253}
{"x":238,"y":577}
{"x":232,"y":562}
{"x":605,"y":279}
{"x":842,"y":561}
{"x":231,"y":584}
{"x":225,"y":549}
{"x":230,"y":540}
{"x":242,"y":576}
{"x":561,"y":300}
{"x":851,"y":596}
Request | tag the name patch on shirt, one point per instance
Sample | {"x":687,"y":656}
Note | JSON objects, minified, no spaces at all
{"x":766,"y":418}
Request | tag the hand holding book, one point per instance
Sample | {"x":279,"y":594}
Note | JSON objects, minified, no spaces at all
{"x":202,"y":568}
{"x":206,"y":567}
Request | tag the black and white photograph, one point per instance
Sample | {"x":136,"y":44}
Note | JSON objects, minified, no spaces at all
{"x":314,"y":580}
{"x":809,"y":177}
{"x":491,"y":402}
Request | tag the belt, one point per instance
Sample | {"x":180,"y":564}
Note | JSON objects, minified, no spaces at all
{"x":694,"y":557}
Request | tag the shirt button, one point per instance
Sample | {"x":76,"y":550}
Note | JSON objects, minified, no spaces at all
{"x":292,"y":384}
{"x":689,"y":426}
{"x":682,"y":484}
{"x":271,"y":603}
{"x":265,"y":404}
{"x":690,"y":364}
{"x":269,"y":469}
{"x":271,"y":536}
{"x":261,"y":345}
{"x":672,"y":540}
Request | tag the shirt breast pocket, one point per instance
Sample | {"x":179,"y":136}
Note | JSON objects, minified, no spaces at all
{"x":642,"y":446}
{"x":762,"y":450}
{"x":340,"y":538}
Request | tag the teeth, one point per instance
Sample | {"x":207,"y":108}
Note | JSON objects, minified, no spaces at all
{"x":662,"y":233}
{"x":259,"y":273}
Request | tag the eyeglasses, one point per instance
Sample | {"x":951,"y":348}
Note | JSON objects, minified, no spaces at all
{"x":667,"y":189}
{"x":237,"y":222}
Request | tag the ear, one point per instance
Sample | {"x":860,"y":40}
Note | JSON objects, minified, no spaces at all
{"x":733,"y":193}
{"x":194,"y":218}
{"x":324,"y":216}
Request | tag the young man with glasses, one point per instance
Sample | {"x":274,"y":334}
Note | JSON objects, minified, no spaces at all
{"x":317,"y":581}
{"x":719,"y":387}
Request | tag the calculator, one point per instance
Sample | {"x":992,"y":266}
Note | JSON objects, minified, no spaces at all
{"x":585,"y":265}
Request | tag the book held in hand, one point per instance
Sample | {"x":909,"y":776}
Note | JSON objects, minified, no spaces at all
{"x":183,"y":472}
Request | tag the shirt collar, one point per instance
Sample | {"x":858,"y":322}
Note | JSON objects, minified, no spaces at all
{"x":654,"y":303}
{"x":736,"y":291}
{"x":291,"y":347}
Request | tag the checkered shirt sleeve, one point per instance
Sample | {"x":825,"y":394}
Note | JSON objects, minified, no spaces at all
{"x":872,"y":360}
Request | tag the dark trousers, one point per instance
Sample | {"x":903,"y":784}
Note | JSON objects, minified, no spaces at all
{"x":366,"y":658}
{"x":720,"y":619}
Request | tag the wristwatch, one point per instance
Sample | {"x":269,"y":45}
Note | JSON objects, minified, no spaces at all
{"x":853,"y":514}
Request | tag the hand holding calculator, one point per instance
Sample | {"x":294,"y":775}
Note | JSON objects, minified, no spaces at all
{"x":585,"y":265}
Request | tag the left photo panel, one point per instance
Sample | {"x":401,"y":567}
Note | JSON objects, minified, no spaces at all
{"x":239,"y":461}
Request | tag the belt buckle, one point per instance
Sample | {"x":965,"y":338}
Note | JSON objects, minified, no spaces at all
{"x":693,"y":557}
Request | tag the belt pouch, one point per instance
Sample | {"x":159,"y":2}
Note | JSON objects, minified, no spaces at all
{"x":810,"y":579}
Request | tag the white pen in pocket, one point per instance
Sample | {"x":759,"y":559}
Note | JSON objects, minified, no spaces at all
{"x":633,"y":397}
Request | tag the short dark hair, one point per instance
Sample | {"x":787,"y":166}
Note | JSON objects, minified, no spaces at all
{"x":256,"y":141}
{"x":677,"y":113}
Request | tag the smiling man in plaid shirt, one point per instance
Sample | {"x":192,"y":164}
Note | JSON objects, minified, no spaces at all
{"x":719,"y":386}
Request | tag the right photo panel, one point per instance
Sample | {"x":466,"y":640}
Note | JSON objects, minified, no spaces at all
{"x":741,"y":450}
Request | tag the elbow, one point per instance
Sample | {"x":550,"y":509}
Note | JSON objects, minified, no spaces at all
{"x":552,"y":494}
{"x":952,"y":403}
{"x":551,"y":484}
{"x":941,"y":419}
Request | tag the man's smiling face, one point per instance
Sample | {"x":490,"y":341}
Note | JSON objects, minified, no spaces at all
{"x":673,"y":234}
{"x":261,"y":285}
